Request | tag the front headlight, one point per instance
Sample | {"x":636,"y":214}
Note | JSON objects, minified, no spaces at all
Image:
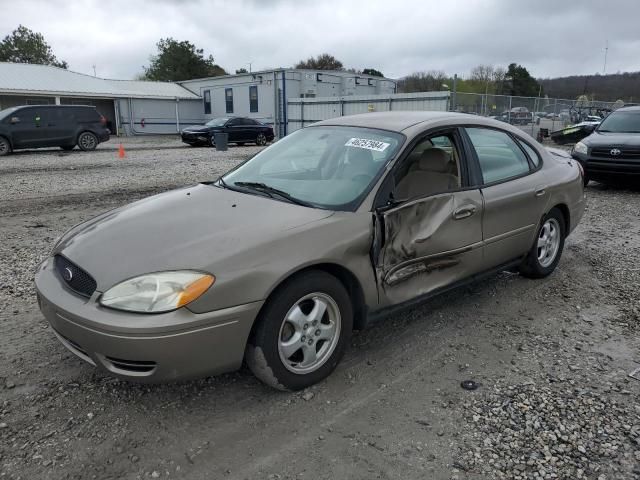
{"x":580,"y":148}
{"x":157,"y":292}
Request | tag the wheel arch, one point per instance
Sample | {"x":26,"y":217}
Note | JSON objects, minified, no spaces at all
{"x":348,"y":280}
{"x":8,"y":139}
{"x":566,"y":216}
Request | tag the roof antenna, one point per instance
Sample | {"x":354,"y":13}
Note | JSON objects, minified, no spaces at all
{"x":606,"y":50}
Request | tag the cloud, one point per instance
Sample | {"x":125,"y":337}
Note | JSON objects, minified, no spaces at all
{"x":550,"y":38}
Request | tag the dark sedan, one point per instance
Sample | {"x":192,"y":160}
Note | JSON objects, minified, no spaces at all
{"x":241,"y":130}
{"x":612,"y":151}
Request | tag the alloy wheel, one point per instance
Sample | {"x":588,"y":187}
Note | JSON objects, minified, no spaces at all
{"x":261,"y":140}
{"x":548,"y":242}
{"x":4,"y":146}
{"x":309,"y":333}
{"x":87,"y":141}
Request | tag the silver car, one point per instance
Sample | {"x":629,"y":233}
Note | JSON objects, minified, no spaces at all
{"x":279,"y":260}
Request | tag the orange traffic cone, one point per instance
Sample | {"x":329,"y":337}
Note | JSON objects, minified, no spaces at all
{"x":121,"y":152}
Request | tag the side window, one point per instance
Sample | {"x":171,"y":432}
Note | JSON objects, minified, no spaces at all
{"x":207,"y":102}
{"x":228,"y":97}
{"x":499,"y":156}
{"x":533,"y":155}
{"x":64,"y":115}
{"x":32,"y":117}
{"x":253,"y":98}
{"x":432,"y":167}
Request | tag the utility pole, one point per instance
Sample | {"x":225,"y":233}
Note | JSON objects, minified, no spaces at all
{"x":606,"y":50}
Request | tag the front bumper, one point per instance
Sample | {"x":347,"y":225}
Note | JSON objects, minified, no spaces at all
{"x":153,"y":348}
{"x":195,"y":139}
{"x":601,"y":167}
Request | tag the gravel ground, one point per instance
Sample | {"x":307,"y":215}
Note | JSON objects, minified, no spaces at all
{"x":551,"y":358}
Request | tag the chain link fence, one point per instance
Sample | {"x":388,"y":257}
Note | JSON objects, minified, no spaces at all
{"x":537,"y":116}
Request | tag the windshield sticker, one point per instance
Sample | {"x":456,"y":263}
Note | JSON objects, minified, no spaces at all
{"x":368,"y":144}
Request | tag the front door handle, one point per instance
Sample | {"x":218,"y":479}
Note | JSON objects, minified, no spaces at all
{"x":464,"y":212}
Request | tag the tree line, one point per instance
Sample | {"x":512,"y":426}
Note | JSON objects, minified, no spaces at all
{"x":181,"y":60}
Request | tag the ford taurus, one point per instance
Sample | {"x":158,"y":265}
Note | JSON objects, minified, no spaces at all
{"x":279,"y":260}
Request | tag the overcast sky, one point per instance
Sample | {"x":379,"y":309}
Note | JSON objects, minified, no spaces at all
{"x":398,"y":37}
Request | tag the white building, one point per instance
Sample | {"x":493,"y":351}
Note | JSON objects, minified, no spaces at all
{"x":130,"y":106}
{"x":262,"y":95}
{"x":134,"y":107}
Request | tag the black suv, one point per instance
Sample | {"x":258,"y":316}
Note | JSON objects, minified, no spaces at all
{"x":612,"y":151}
{"x":62,"y":126}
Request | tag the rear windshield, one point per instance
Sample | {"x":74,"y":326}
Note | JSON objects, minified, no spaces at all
{"x":621,"y":122}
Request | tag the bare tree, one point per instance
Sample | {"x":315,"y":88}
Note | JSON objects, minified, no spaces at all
{"x":423,"y":81}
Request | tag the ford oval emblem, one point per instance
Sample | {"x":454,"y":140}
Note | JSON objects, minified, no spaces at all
{"x":67,"y":274}
{"x":615,"y":152}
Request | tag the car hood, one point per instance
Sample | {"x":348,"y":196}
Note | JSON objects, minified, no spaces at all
{"x":612,"y":139}
{"x":191,"y":228}
{"x":201,"y":129}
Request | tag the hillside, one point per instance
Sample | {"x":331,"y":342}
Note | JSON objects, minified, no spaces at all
{"x":625,"y":86}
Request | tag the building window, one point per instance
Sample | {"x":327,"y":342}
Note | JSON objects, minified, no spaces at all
{"x":253,"y":98}
{"x":228,"y":96}
{"x":207,"y":102}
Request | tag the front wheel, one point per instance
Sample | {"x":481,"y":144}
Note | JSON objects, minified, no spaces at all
{"x":87,"y":141}
{"x":5,"y":147}
{"x":302,"y":332}
{"x":546,"y":251}
{"x":261,"y":139}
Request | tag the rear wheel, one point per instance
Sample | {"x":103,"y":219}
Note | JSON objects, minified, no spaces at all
{"x":5,"y":146}
{"x":87,"y":141}
{"x":212,"y":141}
{"x":302,"y":332}
{"x":261,"y":139}
{"x":546,"y":251}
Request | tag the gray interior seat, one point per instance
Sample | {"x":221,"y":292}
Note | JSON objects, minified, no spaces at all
{"x":431,"y":173}
{"x":359,"y":162}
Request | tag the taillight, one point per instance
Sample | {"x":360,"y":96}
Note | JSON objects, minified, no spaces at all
{"x":581,"y":168}
{"x":103,"y":120}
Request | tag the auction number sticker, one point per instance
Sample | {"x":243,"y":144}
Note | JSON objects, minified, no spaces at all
{"x":367,"y":143}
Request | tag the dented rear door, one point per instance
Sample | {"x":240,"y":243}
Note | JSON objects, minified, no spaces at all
{"x":427,"y":244}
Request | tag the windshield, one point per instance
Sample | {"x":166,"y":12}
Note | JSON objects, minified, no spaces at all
{"x":217,"y":122}
{"x":328,"y":167}
{"x":621,"y":122}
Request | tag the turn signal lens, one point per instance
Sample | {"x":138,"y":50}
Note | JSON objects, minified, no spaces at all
{"x":195,"y":289}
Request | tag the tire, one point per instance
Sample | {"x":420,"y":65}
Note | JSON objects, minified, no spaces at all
{"x":271,"y":352}
{"x":67,"y":148}
{"x":212,"y":141}
{"x":87,"y":141}
{"x":5,"y":147}
{"x":261,"y":139}
{"x":547,"y":248}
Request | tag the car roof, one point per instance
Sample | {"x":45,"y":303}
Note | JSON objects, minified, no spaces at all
{"x":634,"y":108}
{"x":402,"y":120}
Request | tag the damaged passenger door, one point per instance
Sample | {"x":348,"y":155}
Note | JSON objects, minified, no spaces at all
{"x":429,"y":235}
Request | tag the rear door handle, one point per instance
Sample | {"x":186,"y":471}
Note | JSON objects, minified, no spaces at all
{"x":464,"y":212}
{"x":540,"y":191}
